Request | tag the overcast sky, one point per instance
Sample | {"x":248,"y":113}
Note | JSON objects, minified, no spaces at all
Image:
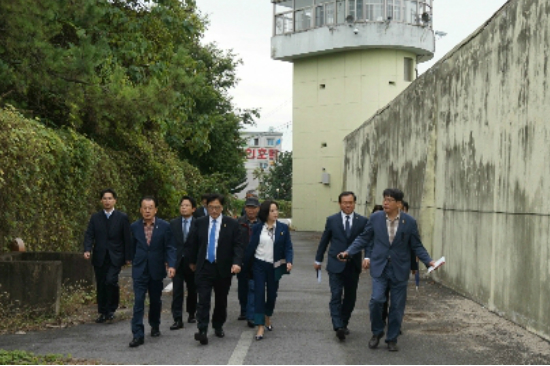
{"x":245,"y":26}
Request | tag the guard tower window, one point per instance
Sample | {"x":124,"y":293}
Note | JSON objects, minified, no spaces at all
{"x":409,"y":69}
{"x":256,"y":141}
{"x":374,"y":10}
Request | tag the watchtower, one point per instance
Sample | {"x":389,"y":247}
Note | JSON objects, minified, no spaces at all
{"x":350,"y":58}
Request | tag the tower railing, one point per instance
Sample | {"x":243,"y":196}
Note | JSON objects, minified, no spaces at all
{"x":328,"y":13}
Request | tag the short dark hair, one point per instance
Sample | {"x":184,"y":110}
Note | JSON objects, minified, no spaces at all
{"x":148,"y":198}
{"x":394,"y":193}
{"x":347,"y":193}
{"x":263,"y":214}
{"x":205,"y":196}
{"x":190,"y":199}
{"x":377,"y":208}
{"x":215,"y":196}
{"x":107,"y":190}
{"x":405,"y":205}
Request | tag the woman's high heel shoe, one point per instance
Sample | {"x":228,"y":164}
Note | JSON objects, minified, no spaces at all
{"x":259,"y":336}
{"x":268,"y":321}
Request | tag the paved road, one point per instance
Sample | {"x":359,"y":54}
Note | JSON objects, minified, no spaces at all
{"x":440,"y":327}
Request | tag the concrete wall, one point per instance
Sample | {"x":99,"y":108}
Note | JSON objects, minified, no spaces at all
{"x":31,"y":285}
{"x":331,"y":93}
{"x":34,"y":279}
{"x":469,"y":142}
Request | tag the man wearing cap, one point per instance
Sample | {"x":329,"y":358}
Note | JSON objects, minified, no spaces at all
{"x":245,"y":284}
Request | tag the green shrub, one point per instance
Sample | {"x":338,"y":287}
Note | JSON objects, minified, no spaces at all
{"x":50,"y":181}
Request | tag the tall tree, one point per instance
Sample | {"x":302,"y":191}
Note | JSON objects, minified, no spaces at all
{"x":276,"y":181}
{"x":126,"y":75}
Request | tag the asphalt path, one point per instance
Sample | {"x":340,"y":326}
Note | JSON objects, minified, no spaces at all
{"x":440,"y":327}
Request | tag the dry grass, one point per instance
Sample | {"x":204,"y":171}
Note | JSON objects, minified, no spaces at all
{"x":77,"y":306}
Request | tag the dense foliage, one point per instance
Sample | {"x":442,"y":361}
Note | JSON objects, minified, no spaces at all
{"x":276,"y":181}
{"x":130,"y":98}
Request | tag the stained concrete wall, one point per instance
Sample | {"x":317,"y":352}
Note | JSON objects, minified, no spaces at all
{"x":35,"y":279}
{"x":469,"y":142}
{"x":31,"y":285}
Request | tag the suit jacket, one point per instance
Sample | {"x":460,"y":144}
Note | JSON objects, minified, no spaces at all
{"x":161,"y":250}
{"x":246,"y":230}
{"x":176,"y":226}
{"x":335,"y":233}
{"x":230,"y":247}
{"x":108,"y":235}
{"x":377,"y":246}
{"x":282,"y":246}
{"x":199,"y":212}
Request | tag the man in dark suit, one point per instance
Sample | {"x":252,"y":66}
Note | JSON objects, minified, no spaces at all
{"x":181,"y":227}
{"x":153,"y":252}
{"x":341,"y":229}
{"x":202,"y":211}
{"x":215,"y":251}
{"x":107,"y":241}
{"x":388,"y":239}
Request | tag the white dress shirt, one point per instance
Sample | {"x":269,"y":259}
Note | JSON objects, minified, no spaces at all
{"x":264,"y":251}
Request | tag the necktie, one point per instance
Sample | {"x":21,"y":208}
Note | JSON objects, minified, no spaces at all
{"x":212,"y":243}
{"x":185,"y":230}
{"x":348,"y":227}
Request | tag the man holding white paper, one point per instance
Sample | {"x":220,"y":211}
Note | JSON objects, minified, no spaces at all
{"x":388,"y":239}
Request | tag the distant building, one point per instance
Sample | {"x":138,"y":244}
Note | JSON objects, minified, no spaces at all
{"x":261,"y":152}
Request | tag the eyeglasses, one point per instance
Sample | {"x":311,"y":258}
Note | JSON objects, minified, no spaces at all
{"x":215,"y":208}
{"x":389,"y":199}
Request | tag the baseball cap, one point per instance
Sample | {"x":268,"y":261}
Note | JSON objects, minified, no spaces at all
{"x":252,"y":202}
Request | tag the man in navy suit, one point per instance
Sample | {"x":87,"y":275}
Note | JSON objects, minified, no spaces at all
{"x":388,"y":239}
{"x":181,"y":227}
{"x":107,"y":242}
{"x":215,"y":251}
{"x":341,"y":229}
{"x":153,"y":251}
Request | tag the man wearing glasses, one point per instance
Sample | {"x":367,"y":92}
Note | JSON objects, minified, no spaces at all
{"x":215,"y":253}
{"x":388,"y":239}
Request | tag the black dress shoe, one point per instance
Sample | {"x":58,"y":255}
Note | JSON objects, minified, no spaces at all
{"x":373,"y":343}
{"x":136,"y":342}
{"x":201,"y":337}
{"x":191,"y":319}
{"x":110,"y":317}
{"x":242,"y":317}
{"x":346,"y":330}
{"x":101,"y":319}
{"x":392,"y":347}
{"x":178,"y":324}
{"x":155,"y":332}
{"x":250,"y":324}
{"x":341,"y":333}
{"x":219,"y":332}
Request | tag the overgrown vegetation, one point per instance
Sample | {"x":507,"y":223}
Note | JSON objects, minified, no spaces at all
{"x":109,"y":93}
{"x":28,"y":358}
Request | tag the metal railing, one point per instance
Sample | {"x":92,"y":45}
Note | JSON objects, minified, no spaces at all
{"x":328,"y":13}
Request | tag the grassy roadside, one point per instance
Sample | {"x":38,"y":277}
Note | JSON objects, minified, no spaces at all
{"x":29,"y":358}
